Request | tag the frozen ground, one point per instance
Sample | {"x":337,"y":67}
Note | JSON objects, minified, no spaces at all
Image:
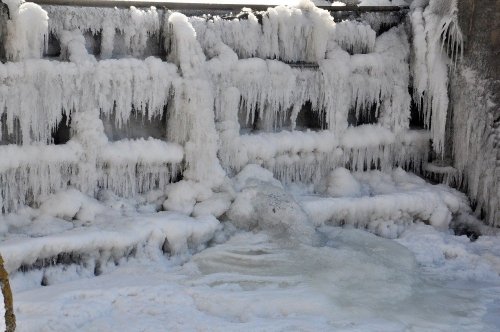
{"x":355,"y":281}
{"x":229,"y":247}
{"x":280,"y":264}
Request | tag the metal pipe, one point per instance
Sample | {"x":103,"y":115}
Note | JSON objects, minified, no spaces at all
{"x":202,"y":6}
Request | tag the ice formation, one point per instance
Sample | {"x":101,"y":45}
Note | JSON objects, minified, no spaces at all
{"x":122,"y":32}
{"x":288,"y":89}
{"x":437,"y":35}
{"x":260,"y":151}
{"x":476,"y":163}
{"x":27,"y":31}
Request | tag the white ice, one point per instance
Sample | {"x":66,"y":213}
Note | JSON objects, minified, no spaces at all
{"x":306,"y":235}
{"x":354,"y":282}
{"x":273,"y":263}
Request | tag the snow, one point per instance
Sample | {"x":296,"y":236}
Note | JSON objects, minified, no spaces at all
{"x":292,"y":270}
{"x":252,"y":283}
{"x":183,"y":195}
{"x":189,"y":83}
{"x":342,"y":184}
{"x":384,"y":203}
{"x":237,"y":216}
{"x":108,"y":239}
{"x":27,"y":31}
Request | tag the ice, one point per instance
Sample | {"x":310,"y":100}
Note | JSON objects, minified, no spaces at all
{"x":183,"y":195}
{"x":53,"y":88}
{"x":125,"y":166}
{"x":356,"y":282}
{"x":301,"y":156}
{"x":215,"y":206}
{"x":355,"y":37}
{"x":192,"y":122}
{"x":442,"y":255}
{"x":272,"y":278}
{"x":134,"y":25}
{"x":438,"y":45}
{"x":254,"y":173}
{"x":73,"y":47}
{"x":27,"y":31}
{"x":475,"y":158}
{"x":71,"y":204}
{"x":271,"y":87}
{"x":147,"y":234}
{"x":341,"y":184}
{"x":281,"y":140}
{"x":385,"y":204}
{"x":287,"y":33}
{"x":264,"y":204}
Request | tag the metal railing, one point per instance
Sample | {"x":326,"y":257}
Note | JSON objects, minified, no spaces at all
{"x":203,"y":6}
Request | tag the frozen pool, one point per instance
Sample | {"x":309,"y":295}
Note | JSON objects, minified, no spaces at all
{"x":352,"y":281}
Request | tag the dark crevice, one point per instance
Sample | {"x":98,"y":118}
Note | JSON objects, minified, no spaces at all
{"x":139,"y":125}
{"x":62,"y":134}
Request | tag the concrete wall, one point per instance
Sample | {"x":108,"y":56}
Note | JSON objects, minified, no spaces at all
{"x":475,"y":106}
{"x":480,"y":22}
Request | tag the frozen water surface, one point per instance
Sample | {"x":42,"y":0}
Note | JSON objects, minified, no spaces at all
{"x":351,"y":281}
{"x":227,"y":216}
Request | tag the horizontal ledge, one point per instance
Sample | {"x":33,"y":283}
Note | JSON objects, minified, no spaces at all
{"x":203,"y":6}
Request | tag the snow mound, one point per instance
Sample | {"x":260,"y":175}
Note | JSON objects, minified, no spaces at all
{"x":341,"y":183}
{"x":385,"y":204}
{"x":266,"y":205}
{"x":146,"y":235}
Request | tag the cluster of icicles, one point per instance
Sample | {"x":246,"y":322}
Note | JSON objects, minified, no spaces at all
{"x":219,"y":75}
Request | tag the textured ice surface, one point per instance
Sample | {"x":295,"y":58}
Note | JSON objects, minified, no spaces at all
{"x":113,"y":262}
{"x":103,"y":259}
{"x":353,"y":282}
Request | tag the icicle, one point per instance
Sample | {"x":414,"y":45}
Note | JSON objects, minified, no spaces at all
{"x":129,"y":167}
{"x":143,"y":24}
{"x":53,"y":87}
{"x":285,"y":33}
{"x":73,"y":47}
{"x":419,"y":61}
{"x":476,"y":154}
{"x":441,"y":28}
{"x":355,"y":37}
{"x":335,"y":94}
{"x":88,"y":131}
{"x":107,"y":39}
{"x":27,"y":31}
{"x":193,"y":120}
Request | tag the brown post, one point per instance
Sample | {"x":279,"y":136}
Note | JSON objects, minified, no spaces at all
{"x":10,"y":318}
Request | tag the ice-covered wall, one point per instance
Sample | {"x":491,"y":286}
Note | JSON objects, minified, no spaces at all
{"x":26,"y":34}
{"x":453,"y":51}
{"x":228,"y":92}
{"x":37,"y":95}
{"x":475,"y":100}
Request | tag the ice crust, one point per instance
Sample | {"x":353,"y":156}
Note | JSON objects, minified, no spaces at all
{"x":438,"y":45}
{"x":222,"y":79}
{"x":237,"y":216}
